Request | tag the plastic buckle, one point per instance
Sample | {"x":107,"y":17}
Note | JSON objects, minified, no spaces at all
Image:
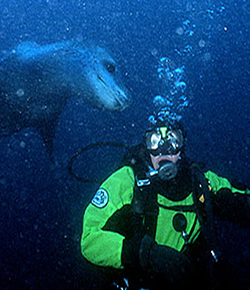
{"x":143,"y":182}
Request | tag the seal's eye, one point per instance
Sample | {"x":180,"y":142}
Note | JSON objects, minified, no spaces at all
{"x":110,"y":67}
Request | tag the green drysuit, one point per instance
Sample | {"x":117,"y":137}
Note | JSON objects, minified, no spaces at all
{"x":104,"y":247}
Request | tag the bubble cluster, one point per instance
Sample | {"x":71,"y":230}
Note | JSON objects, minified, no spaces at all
{"x":162,"y":115}
{"x":174,"y":99}
{"x":215,"y":10}
{"x":186,"y":31}
{"x":174,"y":84}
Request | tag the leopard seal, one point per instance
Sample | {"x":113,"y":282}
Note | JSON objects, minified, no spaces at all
{"x":36,"y":81}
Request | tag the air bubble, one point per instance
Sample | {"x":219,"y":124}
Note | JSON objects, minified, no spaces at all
{"x":179,"y":31}
{"x":202,"y":43}
{"x":20,"y":92}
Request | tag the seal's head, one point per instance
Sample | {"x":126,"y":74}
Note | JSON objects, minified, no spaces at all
{"x":103,"y":79}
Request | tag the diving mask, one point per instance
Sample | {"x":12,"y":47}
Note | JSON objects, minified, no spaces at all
{"x":162,"y":141}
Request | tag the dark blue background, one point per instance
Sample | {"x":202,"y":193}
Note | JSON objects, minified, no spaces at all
{"x":41,"y":205}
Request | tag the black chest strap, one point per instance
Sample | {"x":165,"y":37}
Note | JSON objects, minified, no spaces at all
{"x":201,"y":188}
{"x":151,"y":215}
{"x":145,"y":204}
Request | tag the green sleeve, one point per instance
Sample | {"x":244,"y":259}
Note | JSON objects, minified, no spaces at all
{"x":217,"y":183}
{"x":102,"y":247}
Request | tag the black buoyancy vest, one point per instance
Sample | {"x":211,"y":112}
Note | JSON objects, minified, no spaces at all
{"x":190,"y":178}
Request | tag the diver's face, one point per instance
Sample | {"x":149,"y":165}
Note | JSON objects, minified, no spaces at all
{"x":158,"y":158}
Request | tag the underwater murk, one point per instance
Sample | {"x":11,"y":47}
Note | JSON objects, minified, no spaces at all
{"x":188,"y":58}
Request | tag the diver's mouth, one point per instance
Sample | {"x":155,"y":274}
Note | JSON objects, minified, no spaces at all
{"x":165,"y":158}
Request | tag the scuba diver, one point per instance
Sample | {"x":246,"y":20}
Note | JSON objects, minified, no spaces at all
{"x":150,"y":225}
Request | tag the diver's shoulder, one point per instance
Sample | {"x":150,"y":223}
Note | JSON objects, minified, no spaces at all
{"x":123,"y":175}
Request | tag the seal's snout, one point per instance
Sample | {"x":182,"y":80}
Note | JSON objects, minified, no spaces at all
{"x":63,"y":70}
{"x":122,"y":100}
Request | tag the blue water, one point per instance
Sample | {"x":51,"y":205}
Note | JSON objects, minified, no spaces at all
{"x":41,"y":204}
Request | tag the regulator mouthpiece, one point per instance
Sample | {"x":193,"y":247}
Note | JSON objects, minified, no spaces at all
{"x":168,"y":170}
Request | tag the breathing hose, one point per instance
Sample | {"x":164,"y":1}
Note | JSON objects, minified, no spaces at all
{"x":83,"y":150}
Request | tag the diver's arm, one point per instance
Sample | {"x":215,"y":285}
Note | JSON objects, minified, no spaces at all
{"x":100,"y":246}
{"x":229,"y":201}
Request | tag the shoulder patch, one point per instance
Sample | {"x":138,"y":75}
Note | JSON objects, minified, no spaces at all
{"x":101,"y":198}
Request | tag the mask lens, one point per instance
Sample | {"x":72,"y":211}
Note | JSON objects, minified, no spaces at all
{"x":171,"y":144}
{"x":174,"y":139}
{"x":152,"y":140}
{"x":155,"y":140}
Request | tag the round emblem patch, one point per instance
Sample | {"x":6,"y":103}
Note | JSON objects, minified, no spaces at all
{"x":101,"y":198}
